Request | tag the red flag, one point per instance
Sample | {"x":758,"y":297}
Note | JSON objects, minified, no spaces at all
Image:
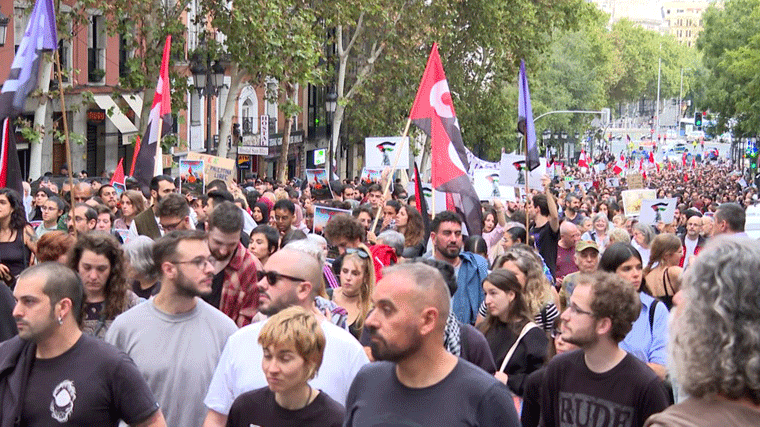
{"x":134,"y":156}
{"x":582,"y":160}
{"x":118,"y":174}
{"x":10,"y":168}
{"x":619,"y":165}
{"x":651,"y":157}
{"x":433,"y":112}
{"x":693,"y":163}
{"x":149,"y":162}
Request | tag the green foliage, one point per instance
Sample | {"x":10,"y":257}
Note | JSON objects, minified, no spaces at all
{"x":731,"y":47}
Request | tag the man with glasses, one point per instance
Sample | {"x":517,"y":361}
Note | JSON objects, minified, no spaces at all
{"x":175,"y":338}
{"x":233,"y":289}
{"x":174,"y":213}
{"x":81,"y":219}
{"x":601,"y":385}
{"x":290,"y":278}
{"x":51,"y":210}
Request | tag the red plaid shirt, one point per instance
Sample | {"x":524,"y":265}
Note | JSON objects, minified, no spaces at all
{"x":240,"y":295}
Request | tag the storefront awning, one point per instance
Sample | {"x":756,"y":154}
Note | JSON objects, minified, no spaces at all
{"x":114,"y":114}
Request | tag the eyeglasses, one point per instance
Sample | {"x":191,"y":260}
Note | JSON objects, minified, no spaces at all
{"x":361,"y":252}
{"x":273,"y":277}
{"x":577,"y":310}
{"x":199,"y":262}
{"x":172,"y":227}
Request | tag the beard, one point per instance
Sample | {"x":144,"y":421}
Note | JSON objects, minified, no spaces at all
{"x":275,"y":306}
{"x":381,"y":350}
{"x":449,"y":252}
{"x":186,"y":288}
{"x":582,"y":339}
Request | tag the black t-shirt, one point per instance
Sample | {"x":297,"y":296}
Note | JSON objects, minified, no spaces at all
{"x":215,"y":297}
{"x":624,"y":396}
{"x":546,"y":242}
{"x":91,"y":384}
{"x":7,"y":322}
{"x":259,"y":408}
{"x":466,"y":397}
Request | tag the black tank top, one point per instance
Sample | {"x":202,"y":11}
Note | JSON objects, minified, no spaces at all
{"x":12,"y":254}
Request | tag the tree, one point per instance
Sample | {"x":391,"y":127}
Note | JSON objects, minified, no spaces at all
{"x":287,"y":50}
{"x":731,"y":47}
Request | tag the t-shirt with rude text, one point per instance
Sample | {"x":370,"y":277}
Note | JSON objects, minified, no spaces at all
{"x":625,"y":396}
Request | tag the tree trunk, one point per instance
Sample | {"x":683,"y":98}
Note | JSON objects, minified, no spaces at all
{"x":282,"y":162}
{"x":225,"y":123}
{"x":40,"y":115}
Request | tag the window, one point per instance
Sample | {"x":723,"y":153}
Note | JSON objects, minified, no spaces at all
{"x":96,"y":52}
{"x":248,"y":118}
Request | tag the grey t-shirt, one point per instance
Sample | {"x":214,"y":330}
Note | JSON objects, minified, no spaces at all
{"x":466,"y":397}
{"x":177,"y":354}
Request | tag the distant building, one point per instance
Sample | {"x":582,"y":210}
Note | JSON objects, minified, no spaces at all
{"x":684,"y":18}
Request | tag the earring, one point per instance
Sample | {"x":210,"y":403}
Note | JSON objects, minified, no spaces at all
{"x":60,"y":320}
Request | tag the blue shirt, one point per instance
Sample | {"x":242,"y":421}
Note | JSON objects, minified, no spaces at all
{"x":648,"y":345}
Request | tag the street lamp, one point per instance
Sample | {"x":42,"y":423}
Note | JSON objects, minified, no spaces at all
{"x":208,"y":76}
{"x":331,"y":104}
{"x":4,"y":21}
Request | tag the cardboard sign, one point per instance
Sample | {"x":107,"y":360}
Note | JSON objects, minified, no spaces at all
{"x":215,"y":167}
{"x":632,"y":200}
{"x":512,"y":172}
{"x":488,"y":186}
{"x":317,"y":178}
{"x":635,"y":181}
{"x":613,"y":182}
{"x":380,"y":152}
{"x":323,"y":214}
{"x":191,"y":173}
{"x":654,"y":211}
{"x":370,"y":176}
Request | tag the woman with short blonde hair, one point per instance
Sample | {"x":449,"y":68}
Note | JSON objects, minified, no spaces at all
{"x":293,"y":344}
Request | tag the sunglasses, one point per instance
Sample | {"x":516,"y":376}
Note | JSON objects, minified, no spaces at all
{"x":361,"y":252}
{"x":273,"y":277}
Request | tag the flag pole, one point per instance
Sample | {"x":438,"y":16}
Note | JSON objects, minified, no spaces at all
{"x":527,"y":178}
{"x":393,"y":169}
{"x":65,"y":121}
{"x":432,"y":200}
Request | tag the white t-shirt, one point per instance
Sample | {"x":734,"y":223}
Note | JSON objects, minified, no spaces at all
{"x":239,"y":369}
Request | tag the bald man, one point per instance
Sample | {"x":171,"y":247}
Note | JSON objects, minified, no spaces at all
{"x":81,"y":193}
{"x":569,"y":236}
{"x":290,"y":278}
{"x":414,"y":369}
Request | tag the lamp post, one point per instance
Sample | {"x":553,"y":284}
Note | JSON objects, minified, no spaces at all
{"x":331,"y":103}
{"x":208,"y":76}
{"x":4,"y":21}
{"x":546,"y":135}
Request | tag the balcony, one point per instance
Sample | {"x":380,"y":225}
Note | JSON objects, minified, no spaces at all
{"x":247,"y":126}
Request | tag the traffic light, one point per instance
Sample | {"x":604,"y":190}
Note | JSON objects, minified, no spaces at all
{"x":698,"y":120}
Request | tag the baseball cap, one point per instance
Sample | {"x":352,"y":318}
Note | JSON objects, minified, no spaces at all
{"x":586,"y":244}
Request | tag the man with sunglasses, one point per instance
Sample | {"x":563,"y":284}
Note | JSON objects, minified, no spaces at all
{"x":600,"y":385}
{"x":290,"y":278}
{"x":175,"y":338}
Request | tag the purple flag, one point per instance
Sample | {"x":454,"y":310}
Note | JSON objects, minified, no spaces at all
{"x":525,"y":119}
{"x":40,"y":35}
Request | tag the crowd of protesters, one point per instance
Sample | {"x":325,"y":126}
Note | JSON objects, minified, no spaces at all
{"x":225,"y":307}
